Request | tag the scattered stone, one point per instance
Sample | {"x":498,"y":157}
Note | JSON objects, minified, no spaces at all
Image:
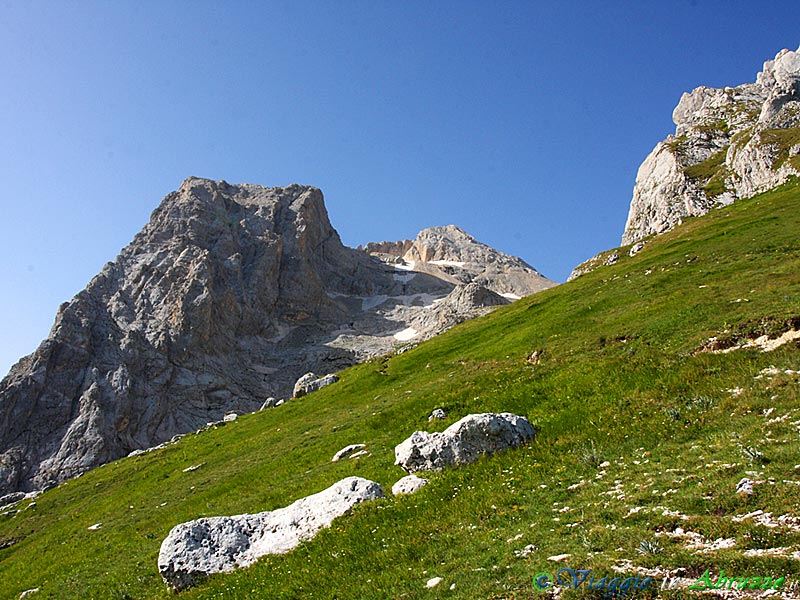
{"x":280,"y":402}
{"x":744,"y":487}
{"x":311,"y":383}
{"x":269,"y":403}
{"x":199,"y":548}
{"x":193,"y":468}
{"x":27,"y":593}
{"x":230,"y":417}
{"x":527,"y":550}
{"x":11,"y":498}
{"x":433,"y":582}
{"x":347,"y":451}
{"x":559,"y":557}
{"x":438,"y":413}
{"x":94,"y":527}
{"x":408,"y":485}
{"x":463,"y":442}
{"x":636,"y":248}
{"x":359,"y":454}
{"x":535,"y":357}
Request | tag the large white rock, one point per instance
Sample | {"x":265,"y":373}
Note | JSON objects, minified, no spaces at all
{"x":463,"y":442}
{"x":199,"y":548}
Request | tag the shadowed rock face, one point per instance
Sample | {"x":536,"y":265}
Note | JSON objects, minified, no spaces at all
{"x":201,"y":314}
{"x":729,"y":143}
{"x":224,"y":299}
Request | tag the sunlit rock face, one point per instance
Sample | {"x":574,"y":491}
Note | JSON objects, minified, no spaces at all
{"x":728,"y":144}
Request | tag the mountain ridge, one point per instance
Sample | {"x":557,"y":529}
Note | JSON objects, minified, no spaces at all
{"x":225,"y":297}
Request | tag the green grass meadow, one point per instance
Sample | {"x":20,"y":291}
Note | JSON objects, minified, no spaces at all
{"x":639,"y":434}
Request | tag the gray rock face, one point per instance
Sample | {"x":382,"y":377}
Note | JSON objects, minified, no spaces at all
{"x":192,"y":551}
{"x":729,"y":143}
{"x":463,"y":442}
{"x":311,"y":383}
{"x":226,"y":297}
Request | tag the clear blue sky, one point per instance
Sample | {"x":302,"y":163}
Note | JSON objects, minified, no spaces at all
{"x":522,"y":122}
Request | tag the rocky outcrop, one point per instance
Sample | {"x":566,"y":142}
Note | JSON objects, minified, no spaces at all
{"x":463,"y":442}
{"x":192,"y":551}
{"x":226,"y":297}
{"x":728,"y":144}
{"x":463,"y":303}
{"x":451,"y":253}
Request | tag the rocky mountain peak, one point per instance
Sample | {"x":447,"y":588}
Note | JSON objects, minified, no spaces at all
{"x":729,"y":143}
{"x":226,"y":296}
{"x":450,"y":252}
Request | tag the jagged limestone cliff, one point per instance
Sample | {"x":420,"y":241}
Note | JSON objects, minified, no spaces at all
{"x":729,"y":143}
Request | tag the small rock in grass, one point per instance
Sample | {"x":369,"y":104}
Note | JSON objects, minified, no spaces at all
{"x":408,"y":485}
{"x":94,"y":527}
{"x":347,"y":451}
{"x":559,"y":557}
{"x":433,"y":582}
{"x":744,"y":487}
{"x":437,"y":413}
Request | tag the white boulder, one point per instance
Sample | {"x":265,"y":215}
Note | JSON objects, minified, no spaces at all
{"x":408,"y":485}
{"x":463,"y":442}
{"x":199,"y":548}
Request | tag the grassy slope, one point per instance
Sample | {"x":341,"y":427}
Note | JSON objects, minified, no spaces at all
{"x":618,"y":381}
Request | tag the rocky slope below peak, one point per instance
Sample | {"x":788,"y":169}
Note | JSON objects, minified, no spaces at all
{"x":223,"y":300}
{"x":728,"y":144}
{"x":450,"y":252}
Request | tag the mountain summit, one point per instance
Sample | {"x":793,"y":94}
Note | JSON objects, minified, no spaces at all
{"x":449,"y":251}
{"x":729,"y":143}
{"x":225,"y":298}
